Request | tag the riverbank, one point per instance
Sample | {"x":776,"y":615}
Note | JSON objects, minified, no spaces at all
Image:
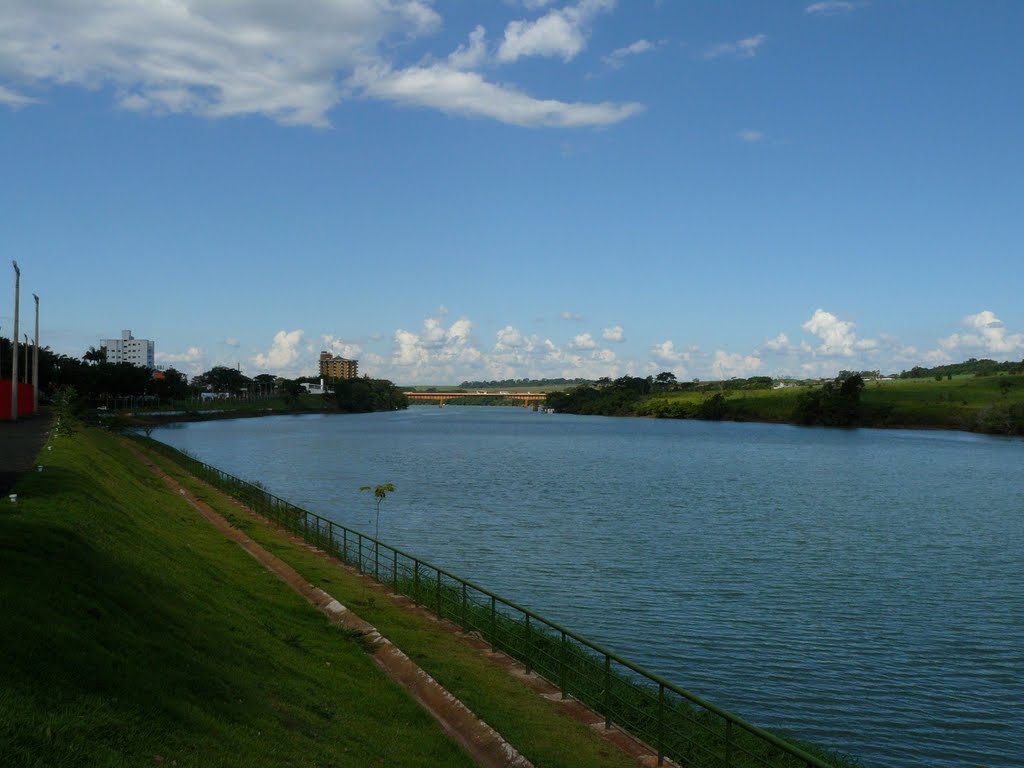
{"x":136,"y":634}
{"x":989,"y":404}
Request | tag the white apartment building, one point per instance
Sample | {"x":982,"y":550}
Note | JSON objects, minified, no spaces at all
{"x":128,"y":349}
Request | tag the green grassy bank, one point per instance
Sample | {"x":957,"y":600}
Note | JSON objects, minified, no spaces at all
{"x":133,"y":633}
{"x":685,"y":728}
{"x":991,"y":404}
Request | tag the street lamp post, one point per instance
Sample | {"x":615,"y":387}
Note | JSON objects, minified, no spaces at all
{"x":14,"y":344}
{"x":35,"y":363}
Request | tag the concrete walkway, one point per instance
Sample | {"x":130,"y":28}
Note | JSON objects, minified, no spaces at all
{"x":20,"y":443}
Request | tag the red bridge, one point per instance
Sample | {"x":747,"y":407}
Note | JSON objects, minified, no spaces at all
{"x":526,"y":398}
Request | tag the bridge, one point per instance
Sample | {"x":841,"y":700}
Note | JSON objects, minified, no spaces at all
{"x":526,"y":398}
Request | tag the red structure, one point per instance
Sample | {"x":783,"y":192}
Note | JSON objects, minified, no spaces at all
{"x":25,"y":399}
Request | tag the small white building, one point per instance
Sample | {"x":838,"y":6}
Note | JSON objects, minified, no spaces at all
{"x":128,"y":349}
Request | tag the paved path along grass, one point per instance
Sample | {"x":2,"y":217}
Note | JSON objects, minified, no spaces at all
{"x":483,"y":743}
{"x":20,"y":443}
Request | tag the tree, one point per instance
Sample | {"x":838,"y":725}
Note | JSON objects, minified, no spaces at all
{"x":380,"y":492}
{"x":665,"y":380}
{"x":290,"y":390}
{"x":170,"y":385}
{"x":835,"y":404}
{"x":220,"y":378}
{"x":93,"y":356}
{"x":366,"y":395}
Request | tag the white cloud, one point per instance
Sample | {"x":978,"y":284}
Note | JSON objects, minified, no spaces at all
{"x":746,"y":48}
{"x":341,"y":348}
{"x":587,"y":364}
{"x":283,"y":357}
{"x":666,"y":355}
{"x":615,"y":58}
{"x":514,"y":355}
{"x":472,"y":55}
{"x":830,"y":8}
{"x":560,"y":33}
{"x":779,"y":344}
{"x":987,"y":335}
{"x":438,"y":354}
{"x":750,"y":135}
{"x":615,"y":334}
{"x":14,"y":99}
{"x":192,"y":361}
{"x":193,"y":355}
{"x":232,"y":342}
{"x":583,"y":341}
{"x":442,"y":87}
{"x":729,"y":364}
{"x":292,"y":63}
{"x":837,"y":336}
{"x":509,"y":338}
{"x":210,"y":58}
{"x":666,"y":352}
{"x":573,"y":316}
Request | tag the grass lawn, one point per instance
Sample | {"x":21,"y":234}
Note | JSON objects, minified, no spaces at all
{"x":539,"y":729}
{"x":132,"y":633}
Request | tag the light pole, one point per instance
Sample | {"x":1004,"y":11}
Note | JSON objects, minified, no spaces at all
{"x":25,"y":374}
{"x":35,"y":363}
{"x":14,"y":344}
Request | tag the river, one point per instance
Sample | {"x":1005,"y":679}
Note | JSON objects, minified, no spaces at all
{"x":860,"y":589}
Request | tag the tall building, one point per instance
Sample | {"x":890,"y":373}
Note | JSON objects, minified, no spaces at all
{"x":337,"y":367}
{"x":128,"y":349}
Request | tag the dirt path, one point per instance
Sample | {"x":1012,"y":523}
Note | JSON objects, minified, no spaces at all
{"x":481,"y":742}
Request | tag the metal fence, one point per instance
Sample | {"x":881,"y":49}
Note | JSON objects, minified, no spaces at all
{"x":679,"y":725}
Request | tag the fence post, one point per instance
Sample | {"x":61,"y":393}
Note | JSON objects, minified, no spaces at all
{"x":494,"y":632}
{"x":360,"y":565}
{"x":561,"y":666}
{"x":661,"y":724}
{"x":607,"y":691}
{"x":344,"y":544}
{"x":529,"y":645}
{"x":330,"y":532}
{"x":394,"y":569}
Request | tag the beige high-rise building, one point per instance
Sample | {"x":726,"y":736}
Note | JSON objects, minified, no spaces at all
{"x":332,"y":368}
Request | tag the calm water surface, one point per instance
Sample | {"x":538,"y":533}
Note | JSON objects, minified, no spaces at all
{"x":861,"y":589}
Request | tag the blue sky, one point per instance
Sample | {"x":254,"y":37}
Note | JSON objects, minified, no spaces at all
{"x":518,"y":188}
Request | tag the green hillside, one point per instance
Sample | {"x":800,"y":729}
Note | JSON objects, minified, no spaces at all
{"x":134,"y":634}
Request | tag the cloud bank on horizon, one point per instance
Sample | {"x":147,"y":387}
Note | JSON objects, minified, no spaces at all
{"x":448,"y":352}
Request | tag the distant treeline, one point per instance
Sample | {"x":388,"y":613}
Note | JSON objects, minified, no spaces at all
{"x":523,"y":383}
{"x":978,"y":403}
{"x":619,"y":397}
{"x":983,"y":367}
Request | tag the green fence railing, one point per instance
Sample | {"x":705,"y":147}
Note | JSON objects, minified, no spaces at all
{"x":677,"y":724}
